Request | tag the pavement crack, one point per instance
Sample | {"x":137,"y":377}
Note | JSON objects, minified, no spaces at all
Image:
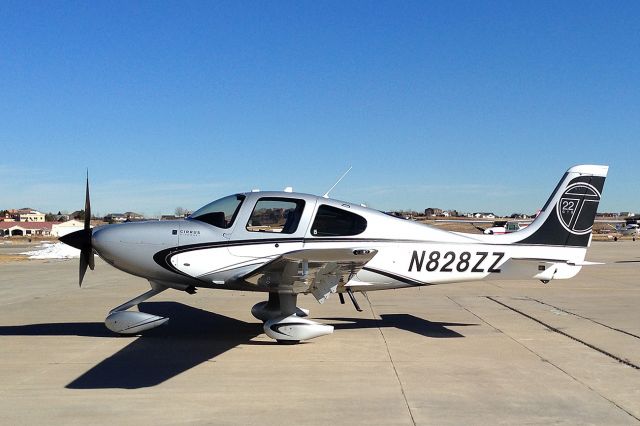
{"x":393,"y":364}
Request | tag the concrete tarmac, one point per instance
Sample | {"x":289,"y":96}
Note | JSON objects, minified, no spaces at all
{"x":495,"y":352}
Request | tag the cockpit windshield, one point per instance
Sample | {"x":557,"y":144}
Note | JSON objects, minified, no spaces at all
{"x":220,"y":213}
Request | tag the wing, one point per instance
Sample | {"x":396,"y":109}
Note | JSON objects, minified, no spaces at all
{"x":315,"y":271}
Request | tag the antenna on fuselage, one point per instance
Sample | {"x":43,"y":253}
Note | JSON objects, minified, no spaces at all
{"x":326,"y":195}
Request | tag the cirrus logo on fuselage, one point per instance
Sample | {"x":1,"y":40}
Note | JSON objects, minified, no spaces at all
{"x":577,"y":207}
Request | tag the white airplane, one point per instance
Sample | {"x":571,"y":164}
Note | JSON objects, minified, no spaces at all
{"x":497,"y":227}
{"x":288,"y":244}
{"x":626,"y":228}
{"x":507,"y":228}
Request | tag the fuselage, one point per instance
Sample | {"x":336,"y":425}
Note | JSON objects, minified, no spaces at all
{"x":231,"y":237}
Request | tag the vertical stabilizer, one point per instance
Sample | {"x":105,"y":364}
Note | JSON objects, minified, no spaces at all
{"x":567,"y":217}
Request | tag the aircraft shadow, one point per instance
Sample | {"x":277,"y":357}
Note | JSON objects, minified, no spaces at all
{"x":405,"y":322}
{"x":191,"y":337}
{"x":84,"y":329}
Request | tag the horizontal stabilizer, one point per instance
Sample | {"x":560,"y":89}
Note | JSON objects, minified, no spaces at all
{"x":547,"y":260}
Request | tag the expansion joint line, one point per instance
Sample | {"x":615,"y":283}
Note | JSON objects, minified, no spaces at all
{"x":583,"y":317}
{"x":556,"y":330}
{"x":538,"y":355}
{"x":395,"y":370}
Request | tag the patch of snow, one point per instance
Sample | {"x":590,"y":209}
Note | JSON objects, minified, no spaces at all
{"x":53,"y":251}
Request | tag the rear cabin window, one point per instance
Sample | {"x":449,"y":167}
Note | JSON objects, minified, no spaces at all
{"x":332,"y":222}
{"x":281,"y":215}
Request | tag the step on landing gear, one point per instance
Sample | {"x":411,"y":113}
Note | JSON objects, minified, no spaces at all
{"x":285,"y":322}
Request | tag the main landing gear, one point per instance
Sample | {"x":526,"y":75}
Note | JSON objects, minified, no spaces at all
{"x":285,"y":322}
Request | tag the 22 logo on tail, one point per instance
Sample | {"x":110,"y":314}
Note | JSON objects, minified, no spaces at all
{"x":577,"y":207}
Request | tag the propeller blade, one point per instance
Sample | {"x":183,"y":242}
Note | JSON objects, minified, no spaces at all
{"x":87,"y":206}
{"x":83,"y":267}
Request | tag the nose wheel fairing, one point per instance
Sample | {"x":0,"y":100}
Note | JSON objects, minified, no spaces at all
{"x":122,"y":321}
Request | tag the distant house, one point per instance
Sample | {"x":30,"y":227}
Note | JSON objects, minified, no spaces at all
{"x":484,"y":215}
{"x":115,"y":218}
{"x":432,"y":211}
{"x":123,"y":217}
{"x":134,"y":216}
{"x":26,"y":215}
{"x":19,"y":229}
{"x":7,"y":218}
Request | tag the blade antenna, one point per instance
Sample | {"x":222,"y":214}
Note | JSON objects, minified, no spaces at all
{"x":326,"y":195}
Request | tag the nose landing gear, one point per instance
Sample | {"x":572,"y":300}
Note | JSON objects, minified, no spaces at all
{"x":122,"y":321}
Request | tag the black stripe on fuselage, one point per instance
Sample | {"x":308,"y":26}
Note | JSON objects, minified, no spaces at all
{"x":409,"y":281}
{"x":162,"y":257}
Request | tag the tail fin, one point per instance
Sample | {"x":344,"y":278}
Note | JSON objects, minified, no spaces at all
{"x":567,"y":217}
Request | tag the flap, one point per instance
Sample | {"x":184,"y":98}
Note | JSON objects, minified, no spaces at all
{"x":316,"y":271}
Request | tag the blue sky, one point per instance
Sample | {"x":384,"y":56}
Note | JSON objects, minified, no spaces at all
{"x":457,"y":105}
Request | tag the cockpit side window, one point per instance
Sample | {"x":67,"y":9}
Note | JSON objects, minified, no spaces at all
{"x":220,"y":213}
{"x":331,"y":222}
{"x":272,"y":214}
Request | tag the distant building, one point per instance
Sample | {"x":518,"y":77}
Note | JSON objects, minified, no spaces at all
{"x":64,"y":228}
{"x":18,"y":229}
{"x":26,"y":215}
{"x":432,"y":211}
{"x":61,"y":217}
{"x":484,"y":215}
{"x":7,"y":218}
{"x":115,"y":218}
{"x":134,"y":216}
{"x":123,"y":217}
